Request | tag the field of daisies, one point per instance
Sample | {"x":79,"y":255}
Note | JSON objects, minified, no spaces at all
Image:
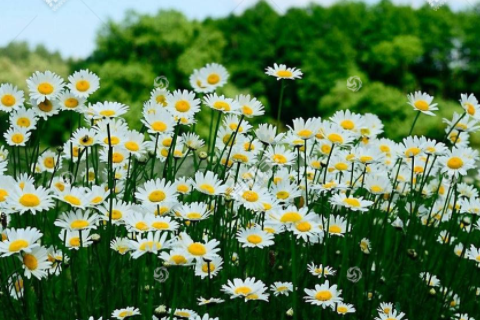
{"x":326,"y":219}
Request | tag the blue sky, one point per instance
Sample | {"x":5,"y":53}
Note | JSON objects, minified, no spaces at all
{"x":72,"y":28}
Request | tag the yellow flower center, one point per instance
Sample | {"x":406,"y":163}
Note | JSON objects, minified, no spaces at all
{"x":79,"y":224}
{"x":30,"y":261}
{"x":366,"y":159}
{"x":279,"y":158}
{"x":183,"y":188}
{"x":246,"y":110}
{"x":3,"y":195}
{"x":291,"y":217}
{"x":142,"y":226}
{"x":82,"y":85}
{"x":205,"y":267}
{"x":342,"y":309}
{"x":97,"y":200}
{"x":213,"y":79}
{"x":323,"y":295}
{"x":116,"y":214}
{"x":255,"y":239}
{"x":208,"y":188}
{"x":159,"y":126}
{"x":113,"y":140}
{"x":8,"y":100}
{"x":160,"y":225}
{"x":178,"y":259}
{"x":161,"y":100}
{"x":282,"y":195}
{"x":124,"y":314}
{"x":335,"y":229}
{"x":250,"y":196}
{"x":72,"y":200}
{"x":335,"y":138}
{"x":117,"y":157}
{"x":352,"y":202}
{"x":243,"y":290}
{"x":347,"y":124}
{"x":45,"y":106}
{"x":304,"y":226}
{"x":75,"y":242}
{"x":23,"y":122}
{"x":107,"y":113}
{"x":341,"y":166}
{"x":49,"y":162}
{"x":45,"y":88}
{"x":376,"y":188}
{"x":150,"y":245}
{"x":17,"y":138}
{"x":221,"y":105}
{"x":132,"y":146}
{"x":284,"y":74}
{"x":470,"y":109}
{"x":197,"y":249}
{"x":455,"y":163}
{"x":157,"y":196}
{"x":413,"y":151}
{"x":18,"y":245}
{"x":305,"y":133}
{"x":194,"y":215}
{"x":422,"y":105}
{"x":29,"y":200}
{"x":71,"y":103}
{"x":182,"y":106}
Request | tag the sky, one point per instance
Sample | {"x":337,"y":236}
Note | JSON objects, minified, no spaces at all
{"x":70,"y":26}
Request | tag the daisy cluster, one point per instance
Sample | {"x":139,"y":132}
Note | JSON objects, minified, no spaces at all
{"x":223,"y":214}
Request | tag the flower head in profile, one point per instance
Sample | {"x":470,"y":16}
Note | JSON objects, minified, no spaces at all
{"x":283,"y":72}
{"x":324,"y":295}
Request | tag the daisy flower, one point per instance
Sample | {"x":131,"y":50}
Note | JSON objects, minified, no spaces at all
{"x":422,"y":102}
{"x":154,"y":242}
{"x":281,"y":288}
{"x":198,"y":250}
{"x":337,"y":226}
{"x":253,"y":198}
{"x":83,"y":83}
{"x":282,"y":72}
{"x":10,"y":97}
{"x":457,"y":162}
{"x":182,"y":104}
{"x":17,"y":136}
{"x":470,"y":105}
{"x":392,"y":315}
{"x":29,"y":199}
{"x":250,"y":289}
{"x":285,"y":191}
{"x":348,"y":120}
{"x":202,"y":301}
{"x":124,"y":313}
{"x":119,"y":211}
{"x":473,"y":254}
{"x":249,"y":107}
{"x":353,"y":203}
{"x":77,"y":220}
{"x":75,"y":240}
{"x":44,"y":86}
{"x":18,"y":240}
{"x":324,"y":295}
{"x":156,"y":191}
{"x":48,"y":162}
{"x":194,"y":211}
{"x":120,"y":245}
{"x":255,"y":237}
{"x":205,"y":268}
{"x":68,"y":101}
{"x":463,"y":316}
{"x":159,"y":122}
{"x":344,"y":308}
{"x":208,"y":183}
{"x":45,"y":109}
{"x":36,"y":263}
{"x":176,"y":257}
{"x":193,"y":141}
{"x":385,"y":307}
{"x":185,"y":313}
{"x":23,"y":118}
{"x":305,"y":129}
{"x":279,"y":156}
{"x":108,"y":110}
{"x":215,"y":76}
{"x":137,"y":221}
{"x":267,"y":134}
{"x":162,"y":223}
{"x":15,"y":285}
{"x":221,"y":103}
{"x":319,"y":271}
{"x":75,"y":197}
